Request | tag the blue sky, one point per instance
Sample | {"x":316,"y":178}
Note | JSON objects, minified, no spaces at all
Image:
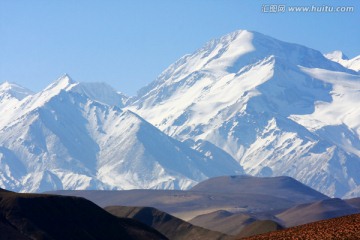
{"x":128,"y":43}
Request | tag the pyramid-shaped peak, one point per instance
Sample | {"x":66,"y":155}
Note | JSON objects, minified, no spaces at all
{"x":65,"y":82}
{"x":66,"y":78}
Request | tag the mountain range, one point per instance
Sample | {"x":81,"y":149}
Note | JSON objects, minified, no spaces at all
{"x":245,"y":103}
{"x":236,"y":194}
{"x":70,"y":137}
{"x":230,"y":205}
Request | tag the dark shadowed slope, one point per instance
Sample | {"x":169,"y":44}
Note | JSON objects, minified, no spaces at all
{"x":347,"y":227}
{"x":8,"y":232}
{"x":282,"y":187}
{"x":39,"y":216}
{"x":223,"y":221}
{"x":260,"y":227}
{"x":170,"y":226}
{"x":321,"y":210}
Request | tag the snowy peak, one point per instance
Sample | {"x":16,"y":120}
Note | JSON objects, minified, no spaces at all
{"x":339,"y":57}
{"x":244,"y":102}
{"x":228,"y":72}
{"x":100,"y":92}
{"x":336,"y":56}
{"x":235,"y":53}
{"x":266,"y":103}
{"x":61,"y":138}
{"x":293,"y":54}
{"x":65,"y":82}
{"x":11,"y":96}
{"x":14,"y":90}
{"x":224,"y":52}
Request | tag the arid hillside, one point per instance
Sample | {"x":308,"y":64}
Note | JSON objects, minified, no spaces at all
{"x":347,"y":227}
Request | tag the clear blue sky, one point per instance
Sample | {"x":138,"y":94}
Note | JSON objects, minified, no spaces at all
{"x":128,"y":43}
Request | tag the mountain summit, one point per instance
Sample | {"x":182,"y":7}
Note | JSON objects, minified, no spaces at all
{"x":71,"y":136}
{"x":339,"y":57}
{"x":277,"y":108}
{"x":336,"y":55}
{"x":12,"y":90}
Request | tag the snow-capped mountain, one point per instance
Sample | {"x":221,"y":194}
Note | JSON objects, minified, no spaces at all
{"x":277,"y":108}
{"x":11,"y":90}
{"x":340,"y":57}
{"x":10,"y":95}
{"x":70,"y":137}
{"x":243,"y":103}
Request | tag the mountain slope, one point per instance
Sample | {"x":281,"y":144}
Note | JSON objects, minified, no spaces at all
{"x":347,"y":227}
{"x":282,"y":193}
{"x":101,"y":92}
{"x":10,"y":96}
{"x":244,"y":103}
{"x":223,"y":221}
{"x":168,"y":225}
{"x":61,"y":138}
{"x":35,"y":216}
{"x":284,"y":187}
{"x":277,"y":108}
{"x":311,"y":212}
{"x":259,"y":227}
{"x":12,"y":90}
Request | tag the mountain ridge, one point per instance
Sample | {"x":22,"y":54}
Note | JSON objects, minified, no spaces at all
{"x":61,"y":138}
{"x":263,"y":106}
{"x":247,"y":93}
